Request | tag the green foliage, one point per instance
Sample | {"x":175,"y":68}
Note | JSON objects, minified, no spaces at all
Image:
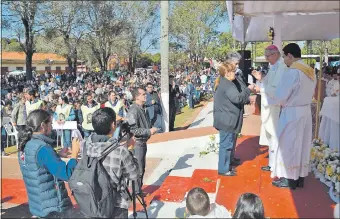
{"x":193,"y":25}
{"x":156,"y":58}
{"x":333,"y":47}
{"x":260,"y":48}
{"x":223,"y":44}
{"x":146,"y":59}
{"x":10,"y":45}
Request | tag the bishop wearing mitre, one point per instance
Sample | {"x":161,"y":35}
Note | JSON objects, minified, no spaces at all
{"x":294,"y":95}
{"x":270,"y":112}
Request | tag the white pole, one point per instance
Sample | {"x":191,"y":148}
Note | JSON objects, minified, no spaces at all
{"x":165,"y":62}
{"x":277,"y":31}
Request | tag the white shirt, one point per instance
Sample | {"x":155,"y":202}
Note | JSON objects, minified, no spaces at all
{"x":203,"y":79}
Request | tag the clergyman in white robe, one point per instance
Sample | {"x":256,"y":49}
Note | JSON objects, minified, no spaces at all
{"x":270,"y":112}
{"x":294,"y":94}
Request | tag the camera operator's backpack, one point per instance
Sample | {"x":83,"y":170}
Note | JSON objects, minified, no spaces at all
{"x":92,"y":187}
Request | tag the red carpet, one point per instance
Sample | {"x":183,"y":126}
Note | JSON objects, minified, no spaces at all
{"x":310,"y":202}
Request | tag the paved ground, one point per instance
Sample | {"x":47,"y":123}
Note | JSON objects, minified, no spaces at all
{"x":175,"y":165}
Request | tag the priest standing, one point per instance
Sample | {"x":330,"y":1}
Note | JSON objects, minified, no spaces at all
{"x":270,"y":112}
{"x":294,"y":94}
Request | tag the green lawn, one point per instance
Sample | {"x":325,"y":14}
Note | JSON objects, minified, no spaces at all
{"x":182,"y":118}
{"x":13,"y":149}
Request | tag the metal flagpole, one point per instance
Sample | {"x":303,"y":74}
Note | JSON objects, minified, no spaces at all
{"x":318,"y":105}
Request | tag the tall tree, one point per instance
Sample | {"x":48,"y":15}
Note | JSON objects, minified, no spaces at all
{"x":142,"y":17}
{"x":67,"y":22}
{"x":22,"y":18}
{"x":193,"y":24}
{"x":105,"y":21}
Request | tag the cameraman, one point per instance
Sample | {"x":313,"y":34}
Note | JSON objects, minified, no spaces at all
{"x":140,"y":126}
{"x":120,"y":163}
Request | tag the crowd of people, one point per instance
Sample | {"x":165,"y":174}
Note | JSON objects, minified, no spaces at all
{"x":75,"y":96}
{"x":101,"y":104}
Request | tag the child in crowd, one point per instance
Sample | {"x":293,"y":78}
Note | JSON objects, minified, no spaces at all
{"x":198,"y":206}
{"x":249,"y":206}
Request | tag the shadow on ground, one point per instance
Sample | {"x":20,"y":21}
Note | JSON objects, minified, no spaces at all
{"x":249,"y":149}
{"x":20,"y":211}
{"x":197,"y":123}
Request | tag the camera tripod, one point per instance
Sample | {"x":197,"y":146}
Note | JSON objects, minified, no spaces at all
{"x":135,"y":196}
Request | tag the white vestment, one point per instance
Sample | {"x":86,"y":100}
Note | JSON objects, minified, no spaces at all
{"x":329,"y":87}
{"x":270,"y":112}
{"x":294,"y":94}
{"x":335,"y":88}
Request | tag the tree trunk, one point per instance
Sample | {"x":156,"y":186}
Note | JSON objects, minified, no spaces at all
{"x":28,"y":48}
{"x":29,"y":75}
{"x":70,"y":63}
{"x":75,"y":61}
{"x":130,"y":63}
{"x":106,"y":60}
{"x":134,"y":62}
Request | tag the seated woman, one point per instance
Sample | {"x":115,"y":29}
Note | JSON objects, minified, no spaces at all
{"x":42,"y":169}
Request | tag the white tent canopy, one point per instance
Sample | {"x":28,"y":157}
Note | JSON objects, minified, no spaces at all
{"x":249,"y":8}
{"x":291,"y":20}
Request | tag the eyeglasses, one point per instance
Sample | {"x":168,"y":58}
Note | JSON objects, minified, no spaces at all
{"x":267,"y":56}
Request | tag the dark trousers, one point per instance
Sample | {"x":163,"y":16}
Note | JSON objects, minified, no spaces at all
{"x":3,"y":139}
{"x":191,"y":101}
{"x":157,"y":122}
{"x":140,"y":150}
{"x":172,"y":117}
{"x":226,"y":151}
{"x":121,"y":213}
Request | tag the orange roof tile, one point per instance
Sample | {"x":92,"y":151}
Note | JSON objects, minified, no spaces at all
{"x":36,"y":56}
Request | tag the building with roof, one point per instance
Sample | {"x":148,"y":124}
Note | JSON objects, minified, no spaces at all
{"x":41,"y":62}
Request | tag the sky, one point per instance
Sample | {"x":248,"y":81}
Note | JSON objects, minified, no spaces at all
{"x":222,"y":27}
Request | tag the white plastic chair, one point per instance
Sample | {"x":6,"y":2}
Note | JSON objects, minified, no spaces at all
{"x":6,"y":120}
{"x":11,"y":131}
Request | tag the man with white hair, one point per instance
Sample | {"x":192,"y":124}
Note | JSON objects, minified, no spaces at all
{"x":294,"y":94}
{"x":270,"y":113}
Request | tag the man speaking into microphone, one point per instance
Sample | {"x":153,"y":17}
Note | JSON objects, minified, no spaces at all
{"x":140,"y":127}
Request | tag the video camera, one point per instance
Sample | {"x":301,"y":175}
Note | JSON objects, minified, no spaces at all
{"x":124,"y":131}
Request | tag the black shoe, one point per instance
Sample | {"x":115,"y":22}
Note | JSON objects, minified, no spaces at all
{"x":235,"y":163}
{"x":236,"y":159}
{"x":266,"y":168}
{"x":142,"y":194}
{"x":230,"y":173}
{"x":285,"y":183}
{"x":300,"y":182}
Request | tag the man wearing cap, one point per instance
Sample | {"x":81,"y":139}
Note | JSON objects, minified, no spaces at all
{"x":270,"y":112}
{"x":294,"y":94}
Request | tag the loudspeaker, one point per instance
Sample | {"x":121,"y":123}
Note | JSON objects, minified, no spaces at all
{"x":246,"y":54}
{"x":245,"y":65}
